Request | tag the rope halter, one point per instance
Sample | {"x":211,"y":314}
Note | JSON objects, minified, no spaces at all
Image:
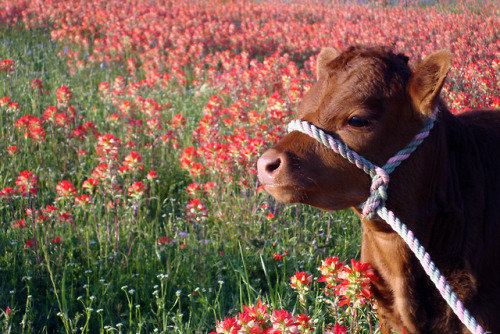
{"x":379,"y":175}
{"x":375,"y":205}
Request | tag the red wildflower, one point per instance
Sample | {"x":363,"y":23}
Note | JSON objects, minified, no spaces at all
{"x":209,"y":186}
{"x":50,"y":210}
{"x":305,"y":321}
{"x":151,"y":175}
{"x":282,"y":319}
{"x":64,"y":96}
{"x":83,"y":200}
{"x":339,"y":329}
{"x":277,"y":256}
{"x":27,"y":182}
{"x":301,"y":281}
{"x":196,"y":211}
{"x":12,"y":149}
{"x":133,"y":162}
{"x":105,"y":90}
{"x":178,"y":121}
{"x":7,"y":312}
{"x":32,"y":127}
{"x":29,"y":244}
{"x":228,"y":326}
{"x":90,"y":184}
{"x":13,"y":106}
{"x":50,"y":114}
{"x":107,"y":146}
{"x":355,"y":283}
{"x":136,"y":190}
{"x":193,"y":189}
{"x":65,"y":189}
{"x":57,"y":240}
{"x":36,"y":85}
{"x":7,"y":65}
{"x":7,"y":192}
{"x":20,"y":224}
{"x":65,"y":217}
{"x":329,"y":270}
{"x":163,"y":241}
{"x":101,"y":172}
{"x":4,"y":101}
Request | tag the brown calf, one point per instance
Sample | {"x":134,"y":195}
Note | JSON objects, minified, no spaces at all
{"x":447,"y":192}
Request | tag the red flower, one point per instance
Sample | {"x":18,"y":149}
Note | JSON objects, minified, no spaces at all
{"x":178,"y":120}
{"x":50,"y":210}
{"x":29,"y":243}
{"x":283,"y":318}
{"x":133,"y":162}
{"x":7,"y":65}
{"x":355,"y":283}
{"x":37,"y":85}
{"x":277,"y":256}
{"x":65,"y":189}
{"x":12,"y":149}
{"x":20,"y":224}
{"x":229,"y":325}
{"x":196,"y":211}
{"x":193,"y":188}
{"x":151,"y":175}
{"x":7,"y":192}
{"x":301,"y":281}
{"x":64,"y":95}
{"x":107,"y":146}
{"x":90,"y":184}
{"x":65,"y":217}
{"x":305,"y":321}
{"x":209,"y":186}
{"x":50,"y":114}
{"x":100,"y":172}
{"x":4,"y":101}
{"x":164,"y":240}
{"x":32,"y":127}
{"x":83,"y":200}
{"x":136,"y":190}
{"x":27,"y":182}
{"x":329,"y":269}
{"x":57,"y":240}
{"x":7,"y":312}
{"x":339,"y":329}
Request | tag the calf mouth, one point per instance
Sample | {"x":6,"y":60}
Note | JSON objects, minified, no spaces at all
{"x":286,"y":193}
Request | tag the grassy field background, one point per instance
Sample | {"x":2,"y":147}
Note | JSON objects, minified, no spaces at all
{"x":128,"y":141}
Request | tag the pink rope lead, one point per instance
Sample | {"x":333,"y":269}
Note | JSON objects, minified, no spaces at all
{"x":375,"y":205}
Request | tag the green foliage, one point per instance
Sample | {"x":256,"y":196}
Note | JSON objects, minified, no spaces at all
{"x":110,"y":272}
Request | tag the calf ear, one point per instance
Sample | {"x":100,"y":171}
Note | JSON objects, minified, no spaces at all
{"x":325,"y":56}
{"x":428,"y":79}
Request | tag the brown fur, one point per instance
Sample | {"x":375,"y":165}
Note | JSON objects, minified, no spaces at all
{"x":447,"y":192}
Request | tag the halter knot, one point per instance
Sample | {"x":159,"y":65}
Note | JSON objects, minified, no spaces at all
{"x":378,"y":193}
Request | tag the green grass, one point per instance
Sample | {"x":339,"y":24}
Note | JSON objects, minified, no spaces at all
{"x":134,"y":284}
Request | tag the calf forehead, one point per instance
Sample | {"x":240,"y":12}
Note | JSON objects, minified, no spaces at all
{"x":355,"y":81}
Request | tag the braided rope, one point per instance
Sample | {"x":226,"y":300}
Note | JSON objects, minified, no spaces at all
{"x":375,"y":205}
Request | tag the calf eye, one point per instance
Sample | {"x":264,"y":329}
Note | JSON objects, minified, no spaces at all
{"x":358,"y":122}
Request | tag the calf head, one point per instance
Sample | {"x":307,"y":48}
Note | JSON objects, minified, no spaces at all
{"x":369,"y":99}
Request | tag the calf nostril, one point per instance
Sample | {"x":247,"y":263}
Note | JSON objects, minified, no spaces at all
{"x":269,"y":166}
{"x":273,"y":165}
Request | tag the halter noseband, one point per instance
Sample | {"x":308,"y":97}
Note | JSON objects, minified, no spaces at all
{"x":379,"y":175}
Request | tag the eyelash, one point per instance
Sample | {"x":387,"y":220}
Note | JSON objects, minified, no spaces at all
{"x":358,"y":122}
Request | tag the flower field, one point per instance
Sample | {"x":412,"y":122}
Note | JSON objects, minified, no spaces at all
{"x":129,"y":136}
